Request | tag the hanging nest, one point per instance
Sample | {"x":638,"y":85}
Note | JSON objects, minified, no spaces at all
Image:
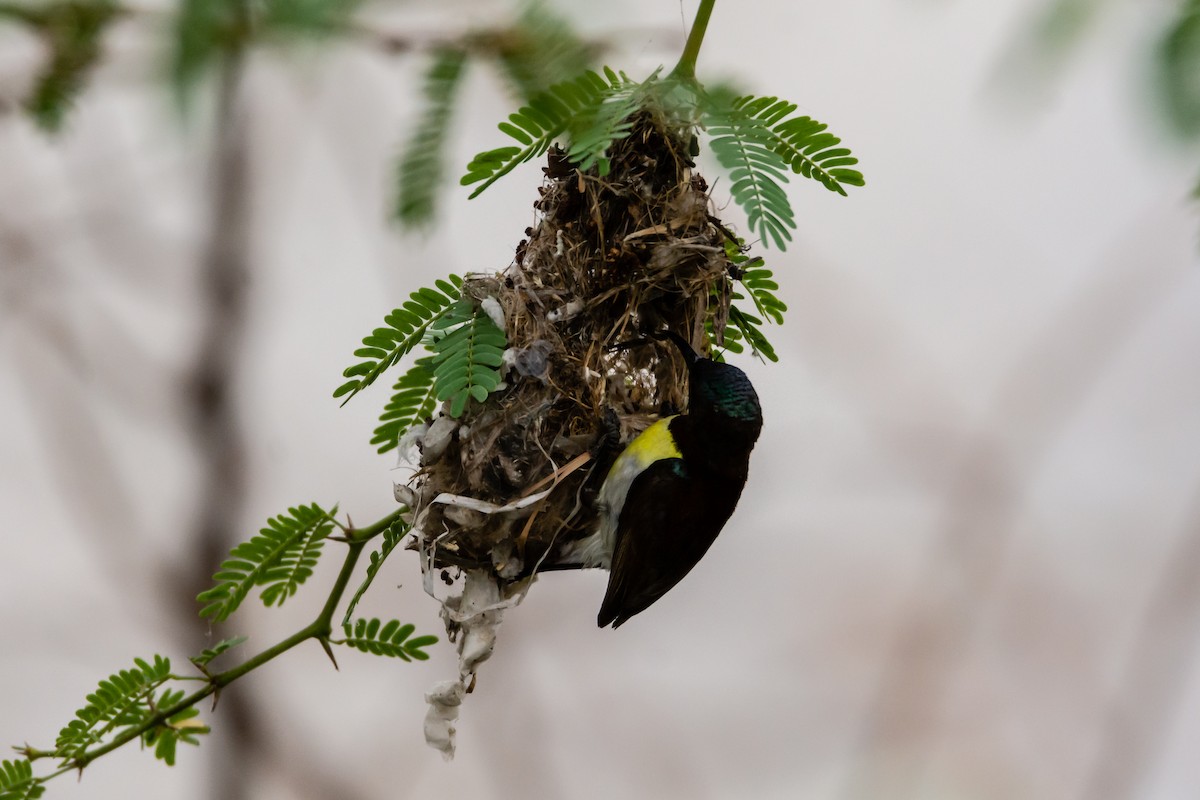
{"x":508,"y":489}
{"x":611,"y":258}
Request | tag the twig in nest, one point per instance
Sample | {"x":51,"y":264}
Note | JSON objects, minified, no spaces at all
{"x":560,"y":473}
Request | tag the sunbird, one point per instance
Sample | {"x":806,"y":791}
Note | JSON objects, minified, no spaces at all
{"x":672,"y":489}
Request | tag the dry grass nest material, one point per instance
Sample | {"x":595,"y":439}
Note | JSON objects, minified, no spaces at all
{"x":637,"y":250}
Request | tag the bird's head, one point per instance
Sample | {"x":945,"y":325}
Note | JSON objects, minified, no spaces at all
{"x":717,"y":390}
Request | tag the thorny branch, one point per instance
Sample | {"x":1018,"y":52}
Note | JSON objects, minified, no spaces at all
{"x":320,"y":629}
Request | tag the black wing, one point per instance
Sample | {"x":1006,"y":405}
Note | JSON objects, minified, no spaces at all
{"x":669,"y":520}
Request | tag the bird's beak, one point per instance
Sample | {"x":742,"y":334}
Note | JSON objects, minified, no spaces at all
{"x":685,"y":348}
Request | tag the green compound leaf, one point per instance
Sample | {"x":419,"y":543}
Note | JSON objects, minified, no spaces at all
{"x":391,"y":639}
{"x":405,"y":328}
{"x":280,"y":558}
{"x":730,"y":339}
{"x":181,"y":727}
{"x":287,"y":19}
{"x":741,"y":328}
{"x":1177,"y":62}
{"x":758,"y":281}
{"x":539,"y":47}
{"x":750,"y":328}
{"x":761,"y":288}
{"x":758,"y":141}
{"x":467,"y":358}
{"x":206,"y":32}
{"x":419,"y":175}
{"x":815,"y":153}
{"x":592,"y":111}
{"x":391,"y":537}
{"x":745,"y":147}
{"x":121,"y":701}
{"x":72,"y":32}
{"x":611,"y":120}
{"x":413,"y":399}
{"x":17,"y":781}
{"x":223,"y":646}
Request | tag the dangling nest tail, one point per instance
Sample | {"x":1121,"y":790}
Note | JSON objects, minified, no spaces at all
{"x":612,"y":257}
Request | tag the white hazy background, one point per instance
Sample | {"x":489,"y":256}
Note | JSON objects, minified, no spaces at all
{"x":967,"y":562}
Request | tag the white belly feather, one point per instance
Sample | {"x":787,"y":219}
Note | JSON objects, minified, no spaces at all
{"x":651,"y":445}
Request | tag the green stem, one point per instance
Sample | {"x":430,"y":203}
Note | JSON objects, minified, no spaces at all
{"x":323,"y":624}
{"x":686,"y":68}
{"x":362,"y":535}
{"x":319,"y":628}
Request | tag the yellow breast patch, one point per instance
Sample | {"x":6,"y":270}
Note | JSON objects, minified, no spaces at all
{"x":653,"y":444}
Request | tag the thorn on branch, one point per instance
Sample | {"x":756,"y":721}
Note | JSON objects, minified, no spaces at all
{"x":329,"y":652}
